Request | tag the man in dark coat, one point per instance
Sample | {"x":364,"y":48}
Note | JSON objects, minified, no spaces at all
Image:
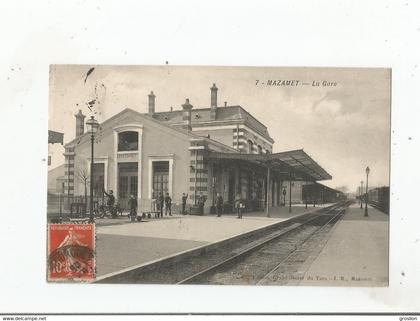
{"x":168,"y":204}
{"x":111,"y":200}
{"x":201,"y":201}
{"x":239,"y":205}
{"x":132,"y":204}
{"x":184,"y":202}
{"x":219,"y":204}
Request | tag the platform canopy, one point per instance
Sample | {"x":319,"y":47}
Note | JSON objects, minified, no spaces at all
{"x":297,"y":162}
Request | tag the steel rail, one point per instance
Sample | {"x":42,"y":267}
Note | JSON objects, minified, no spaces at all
{"x":254,"y":247}
{"x":265,"y":277}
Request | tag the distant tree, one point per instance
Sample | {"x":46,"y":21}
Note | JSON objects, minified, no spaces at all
{"x":83,"y":175}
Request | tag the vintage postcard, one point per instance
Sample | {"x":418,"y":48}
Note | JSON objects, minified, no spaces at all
{"x":219,"y":175}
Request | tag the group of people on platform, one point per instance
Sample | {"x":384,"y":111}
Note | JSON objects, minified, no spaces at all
{"x":239,"y":205}
{"x":165,"y":202}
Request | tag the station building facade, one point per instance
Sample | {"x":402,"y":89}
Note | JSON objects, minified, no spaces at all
{"x":219,"y":149}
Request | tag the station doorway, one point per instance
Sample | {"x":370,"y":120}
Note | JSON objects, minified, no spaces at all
{"x":160,"y":178}
{"x":127,"y":182}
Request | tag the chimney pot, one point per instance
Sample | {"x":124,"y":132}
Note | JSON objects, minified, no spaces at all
{"x":80,"y":123}
{"x":152,"y":99}
{"x":186,"y":114}
{"x":213,"y":102}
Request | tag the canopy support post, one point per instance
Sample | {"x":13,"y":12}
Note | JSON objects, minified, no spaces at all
{"x":268,"y":192}
{"x":290,"y":192}
{"x":306,"y":192}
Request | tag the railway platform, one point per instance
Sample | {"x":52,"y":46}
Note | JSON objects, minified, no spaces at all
{"x":356,"y":254}
{"x":123,"y":245}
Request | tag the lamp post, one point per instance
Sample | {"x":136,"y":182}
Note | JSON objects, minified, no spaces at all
{"x":367,"y":195}
{"x":92,"y":127}
{"x":361,"y":194}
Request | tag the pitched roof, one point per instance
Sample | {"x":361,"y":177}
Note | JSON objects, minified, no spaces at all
{"x":227,"y":113}
{"x":183,"y":131}
{"x":126,"y":110}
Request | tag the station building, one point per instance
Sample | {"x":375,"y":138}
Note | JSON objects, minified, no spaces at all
{"x":216,"y":149}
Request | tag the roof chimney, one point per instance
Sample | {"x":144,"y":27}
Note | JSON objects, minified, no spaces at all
{"x":186,"y":114}
{"x":214,"y":90}
{"x":213,"y":103}
{"x":152,"y":98}
{"x":80,"y":123}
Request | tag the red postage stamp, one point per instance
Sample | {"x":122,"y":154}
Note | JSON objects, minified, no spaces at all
{"x":71,"y":252}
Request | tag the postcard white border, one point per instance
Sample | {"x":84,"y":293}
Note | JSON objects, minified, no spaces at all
{"x":322,"y":33}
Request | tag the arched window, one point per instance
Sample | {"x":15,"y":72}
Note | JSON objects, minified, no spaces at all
{"x":259,"y":149}
{"x":128,"y":141}
{"x":250,"y":146}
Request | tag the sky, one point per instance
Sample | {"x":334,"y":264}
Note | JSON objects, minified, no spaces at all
{"x":339,"y":116}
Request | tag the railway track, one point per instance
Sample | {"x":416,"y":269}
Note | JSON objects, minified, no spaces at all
{"x":245,"y":260}
{"x":276,"y":259}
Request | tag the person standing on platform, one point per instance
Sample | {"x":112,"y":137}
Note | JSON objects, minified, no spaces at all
{"x":168,"y":205}
{"x":111,"y":201}
{"x":160,"y":202}
{"x":184,"y":202}
{"x":201,"y":201}
{"x":238,"y":205}
{"x":219,"y":204}
{"x":132,"y":204}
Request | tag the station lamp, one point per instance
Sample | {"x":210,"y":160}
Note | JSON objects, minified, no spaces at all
{"x":361,"y":195}
{"x":367,"y":195}
{"x":92,"y":127}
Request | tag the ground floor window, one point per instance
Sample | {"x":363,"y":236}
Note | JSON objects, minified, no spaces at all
{"x":160,"y":178}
